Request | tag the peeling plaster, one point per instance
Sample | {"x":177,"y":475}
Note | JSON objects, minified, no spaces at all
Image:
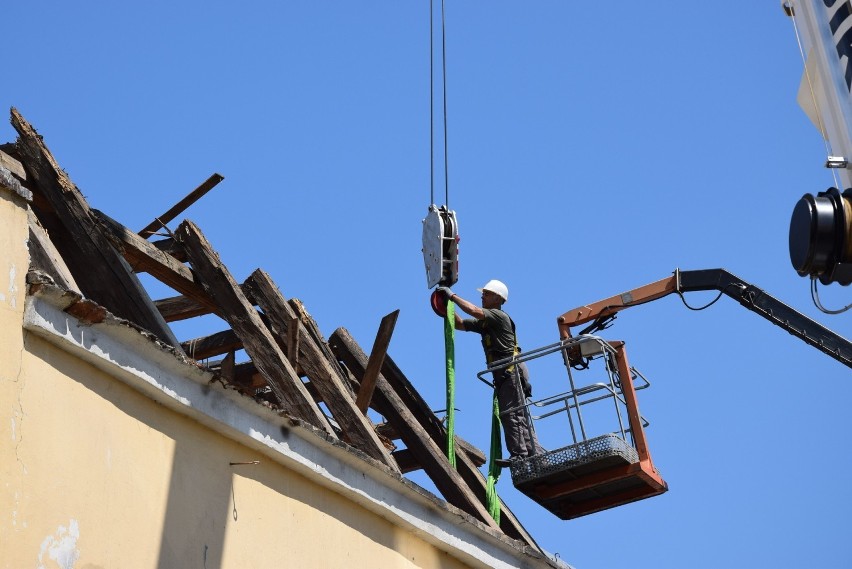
{"x":13,"y":288}
{"x":61,"y":546}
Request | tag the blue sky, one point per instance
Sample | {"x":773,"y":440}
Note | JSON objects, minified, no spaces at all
{"x":593,"y":147}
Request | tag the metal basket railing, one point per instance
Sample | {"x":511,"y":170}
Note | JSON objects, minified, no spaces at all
{"x":573,"y":401}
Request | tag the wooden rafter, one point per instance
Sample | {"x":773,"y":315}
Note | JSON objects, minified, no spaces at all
{"x":97,"y":268}
{"x":465,"y":465}
{"x":313,"y":331}
{"x":144,"y":257}
{"x":426,"y":452}
{"x":259,"y":344}
{"x":406,"y":460}
{"x":476,"y":456}
{"x":176,"y":308}
{"x":212,"y":345}
{"x":377,"y":358}
{"x":169,"y":246}
{"x":182,"y":205}
{"x":356,"y":428}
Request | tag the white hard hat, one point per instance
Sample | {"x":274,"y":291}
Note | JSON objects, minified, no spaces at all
{"x":497,"y":288}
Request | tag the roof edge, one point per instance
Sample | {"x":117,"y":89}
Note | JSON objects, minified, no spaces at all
{"x":155,"y":369}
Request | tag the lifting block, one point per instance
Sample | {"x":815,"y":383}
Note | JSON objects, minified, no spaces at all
{"x":587,"y":477}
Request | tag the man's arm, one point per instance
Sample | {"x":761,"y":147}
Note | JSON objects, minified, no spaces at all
{"x":467,"y":307}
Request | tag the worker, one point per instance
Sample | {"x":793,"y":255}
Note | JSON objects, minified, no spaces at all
{"x":499,"y":342}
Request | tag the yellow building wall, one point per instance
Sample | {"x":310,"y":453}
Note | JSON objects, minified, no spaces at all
{"x":94,"y":474}
{"x":113,"y":479}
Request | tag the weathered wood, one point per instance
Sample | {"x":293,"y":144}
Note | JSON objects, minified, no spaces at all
{"x":182,"y":205}
{"x":466,"y":466}
{"x":356,"y":428}
{"x":45,"y":256}
{"x":294,"y":327}
{"x":176,"y":308}
{"x":406,"y":461}
{"x":245,"y":374}
{"x":476,"y":456}
{"x":170,"y":247}
{"x":426,"y":452}
{"x":226,"y":370}
{"x":377,"y":358}
{"x":90,"y":257}
{"x":313,"y":331}
{"x":144,"y":257}
{"x":12,"y":164}
{"x":212,"y":345}
{"x":241,"y":315}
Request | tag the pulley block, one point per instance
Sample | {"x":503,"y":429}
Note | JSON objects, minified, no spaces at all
{"x":441,"y":246}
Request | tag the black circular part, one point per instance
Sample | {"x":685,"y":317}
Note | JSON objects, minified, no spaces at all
{"x":801,"y":242}
{"x":813,"y":234}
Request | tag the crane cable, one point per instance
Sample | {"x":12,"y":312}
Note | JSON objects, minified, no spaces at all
{"x":449,"y":317}
{"x":432,"y":103}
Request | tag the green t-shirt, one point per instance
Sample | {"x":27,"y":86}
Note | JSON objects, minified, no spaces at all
{"x":498,"y":335}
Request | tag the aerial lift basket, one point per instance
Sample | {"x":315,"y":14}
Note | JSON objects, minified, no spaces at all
{"x":593,"y":473}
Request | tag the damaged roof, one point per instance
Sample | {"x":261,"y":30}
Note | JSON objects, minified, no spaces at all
{"x":328,"y":383}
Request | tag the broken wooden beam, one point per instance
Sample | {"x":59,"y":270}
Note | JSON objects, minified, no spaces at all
{"x":465,"y":465}
{"x":377,"y":358}
{"x":311,"y":327}
{"x":144,"y":257}
{"x":169,"y":246}
{"x":355,"y":427}
{"x":475,"y":454}
{"x":294,"y":327}
{"x":245,"y":374}
{"x":406,"y":461}
{"x":243,"y":319}
{"x":176,"y":308}
{"x":426,"y":452}
{"x":212,"y":345}
{"x":97,"y":267}
{"x":45,"y":257}
{"x":12,"y":164}
{"x":195,"y":195}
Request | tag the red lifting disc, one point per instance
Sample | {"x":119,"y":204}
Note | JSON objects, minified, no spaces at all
{"x":439,"y":303}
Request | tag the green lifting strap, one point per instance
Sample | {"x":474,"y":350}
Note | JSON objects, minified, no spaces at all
{"x":492,"y":501}
{"x":449,"y":346}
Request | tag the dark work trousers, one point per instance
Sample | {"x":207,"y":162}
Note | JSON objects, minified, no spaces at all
{"x":520,"y":437}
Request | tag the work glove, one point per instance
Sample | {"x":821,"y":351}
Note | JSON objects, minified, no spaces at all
{"x":446,"y":291}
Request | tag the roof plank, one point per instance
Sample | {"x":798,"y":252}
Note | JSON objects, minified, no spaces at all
{"x":244,"y":320}
{"x":466,"y":466}
{"x":176,"y":308}
{"x":98,"y":269}
{"x":426,"y":452}
{"x":144,"y":257}
{"x":356,"y":428}
{"x":212,"y":345}
{"x":377,"y":358}
{"x":477,"y":456}
{"x":182,"y":205}
{"x":169,"y":246}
